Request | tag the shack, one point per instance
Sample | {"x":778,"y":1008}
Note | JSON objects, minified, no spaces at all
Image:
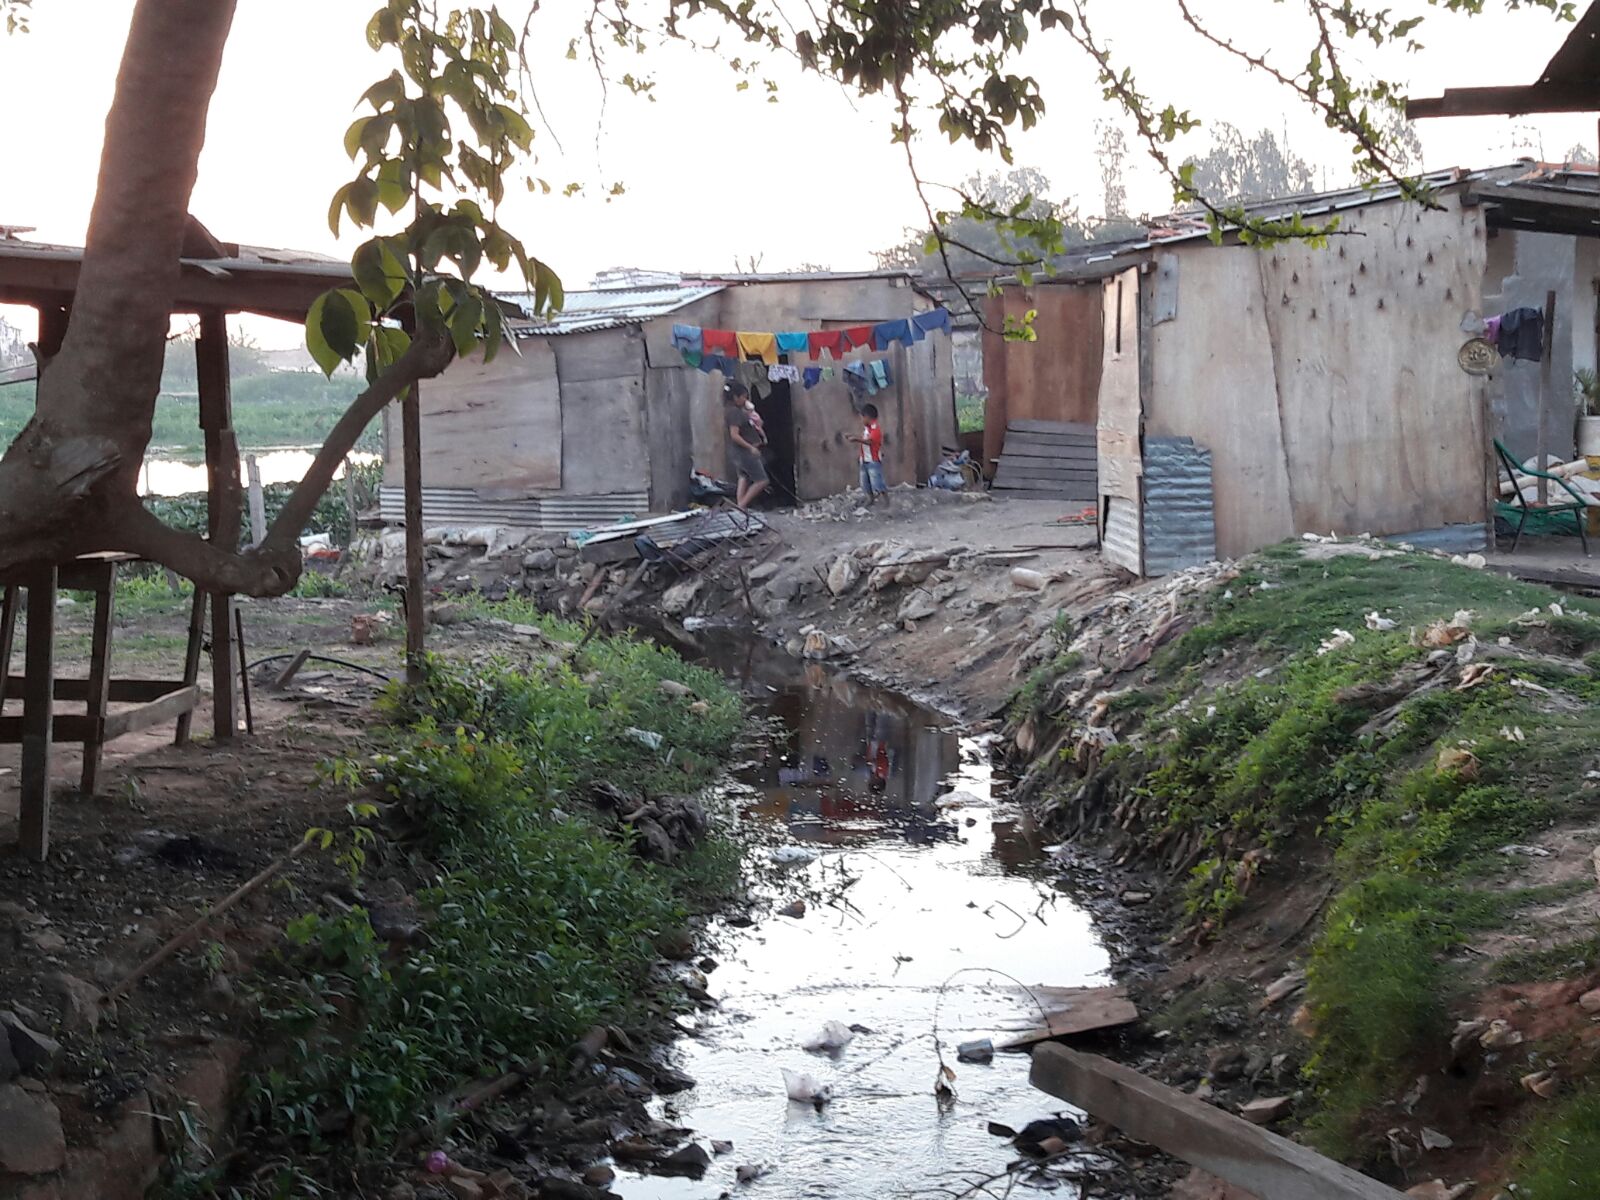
{"x":593,"y":413}
{"x":1239,"y":395}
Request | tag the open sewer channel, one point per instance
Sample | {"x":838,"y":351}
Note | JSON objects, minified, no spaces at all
{"x":909,"y":886}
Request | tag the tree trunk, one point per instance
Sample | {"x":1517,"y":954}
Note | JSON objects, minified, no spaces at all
{"x":69,"y":483}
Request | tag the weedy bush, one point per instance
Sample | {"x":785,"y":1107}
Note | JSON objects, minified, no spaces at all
{"x":540,"y":923}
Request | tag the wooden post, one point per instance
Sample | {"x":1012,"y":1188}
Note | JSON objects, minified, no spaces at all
{"x":99,"y":676}
{"x":1543,"y":445}
{"x":191,"y":661}
{"x":222,"y":500}
{"x":8,"y":634}
{"x":258,"y":502}
{"x":1230,"y":1148}
{"x":411,"y":440}
{"x":38,"y":716}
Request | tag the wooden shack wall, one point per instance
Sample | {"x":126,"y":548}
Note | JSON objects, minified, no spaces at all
{"x":1057,"y":377}
{"x":918,"y":410}
{"x":1324,"y":381}
{"x":487,"y":425}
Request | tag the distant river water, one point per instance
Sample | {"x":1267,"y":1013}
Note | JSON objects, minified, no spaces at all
{"x":173,"y":477}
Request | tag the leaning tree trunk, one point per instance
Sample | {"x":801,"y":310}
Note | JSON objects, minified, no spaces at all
{"x":69,"y":483}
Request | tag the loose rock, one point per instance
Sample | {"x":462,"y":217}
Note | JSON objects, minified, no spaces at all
{"x":1590,"y":1001}
{"x":31,"y":1138}
{"x":1267,"y":1110}
{"x":34,"y":1052}
{"x":690,"y":1160}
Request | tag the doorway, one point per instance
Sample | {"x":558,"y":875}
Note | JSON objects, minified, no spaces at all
{"x":775,"y":406}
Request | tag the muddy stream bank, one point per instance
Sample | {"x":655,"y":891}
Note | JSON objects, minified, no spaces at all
{"x":914,"y":868}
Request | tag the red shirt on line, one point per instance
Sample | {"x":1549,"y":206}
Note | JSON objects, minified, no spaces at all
{"x":872,"y":443}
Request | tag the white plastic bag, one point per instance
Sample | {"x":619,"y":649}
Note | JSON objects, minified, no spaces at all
{"x":833,"y":1035}
{"x":803,"y":1088}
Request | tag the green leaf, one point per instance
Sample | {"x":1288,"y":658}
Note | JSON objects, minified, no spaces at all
{"x":386,"y":91}
{"x":379,"y":272}
{"x":322,"y":352}
{"x":464,"y":322}
{"x":336,"y":207}
{"x":516,"y":125}
{"x":392,"y":189}
{"x":493,"y":328}
{"x":352,"y":136}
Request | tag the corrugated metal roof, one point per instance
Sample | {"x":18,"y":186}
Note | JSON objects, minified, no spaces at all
{"x":610,"y":308}
{"x":465,"y":507}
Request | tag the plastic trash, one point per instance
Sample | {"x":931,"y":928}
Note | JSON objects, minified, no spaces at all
{"x":1380,"y":624}
{"x":1025,"y":577}
{"x":803,"y":1088}
{"x":791,"y":855}
{"x":833,"y":1035}
{"x":645,"y":737}
{"x":980,"y":1051}
{"x":1338,"y":640}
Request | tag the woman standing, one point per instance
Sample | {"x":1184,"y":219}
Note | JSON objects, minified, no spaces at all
{"x":744,"y":445}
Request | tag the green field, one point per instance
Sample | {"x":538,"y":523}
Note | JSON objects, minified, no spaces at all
{"x":283,"y":408}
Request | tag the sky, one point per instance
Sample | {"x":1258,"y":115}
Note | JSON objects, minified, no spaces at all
{"x":713,"y":177}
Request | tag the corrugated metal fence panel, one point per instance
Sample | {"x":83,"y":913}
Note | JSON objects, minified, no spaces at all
{"x":465,"y":507}
{"x":1180,"y":527}
{"x":1120,"y":543}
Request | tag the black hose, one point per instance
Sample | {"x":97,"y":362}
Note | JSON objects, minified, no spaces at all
{"x":338,"y":662}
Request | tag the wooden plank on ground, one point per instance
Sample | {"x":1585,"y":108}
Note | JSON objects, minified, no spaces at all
{"x":1045,"y":477}
{"x":1026,"y":457}
{"x":1063,"y":497}
{"x":1068,"y":1011}
{"x":1219,"y":1142}
{"x":1050,"y":428}
{"x":1030,"y":443}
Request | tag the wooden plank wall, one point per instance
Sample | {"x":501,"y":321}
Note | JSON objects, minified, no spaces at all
{"x":1324,"y":381}
{"x":604,"y":424}
{"x":488,"y":425}
{"x":1056,"y":378}
{"x":1048,"y":460}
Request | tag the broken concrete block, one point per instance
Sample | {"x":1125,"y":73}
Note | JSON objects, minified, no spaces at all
{"x":843,"y":574}
{"x":1267,"y":1110}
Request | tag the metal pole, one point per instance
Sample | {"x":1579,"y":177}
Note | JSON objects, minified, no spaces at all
{"x":1543,"y":446}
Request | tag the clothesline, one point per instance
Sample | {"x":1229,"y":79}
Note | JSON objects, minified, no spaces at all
{"x":861,"y":375}
{"x":697,"y":344}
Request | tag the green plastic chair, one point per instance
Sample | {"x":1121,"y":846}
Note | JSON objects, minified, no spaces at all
{"x":1578,"y":506}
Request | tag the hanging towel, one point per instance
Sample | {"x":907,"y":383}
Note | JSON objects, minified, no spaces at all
{"x":783,"y":373}
{"x":687,"y":337}
{"x":719,"y":341}
{"x":758,"y":345}
{"x":857,"y":336}
{"x":793,"y":343}
{"x":887,"y":333}
{"x":692,"y":357}
{"x":878,"y":375}
{"x":831,"y":340}
{"x":1521,"y":334}
{"x":717,"y":362}
{"x":924,"y":323}
{"x":813,"y":376}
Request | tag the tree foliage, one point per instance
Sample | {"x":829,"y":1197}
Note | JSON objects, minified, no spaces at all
{"x":1237,"y":169}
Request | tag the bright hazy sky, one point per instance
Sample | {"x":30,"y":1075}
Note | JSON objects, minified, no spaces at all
{"x":710,"y":173}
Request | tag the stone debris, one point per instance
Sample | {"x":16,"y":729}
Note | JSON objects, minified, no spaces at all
{"x":843,"y":574}
{"x":31,"y":1138}
{"x":1590,"y":1001}
{"x":1267,"y":1110}
{"x":34,"y":1052}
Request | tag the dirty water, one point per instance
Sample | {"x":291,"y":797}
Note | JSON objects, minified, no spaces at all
{"x":905,"y":892}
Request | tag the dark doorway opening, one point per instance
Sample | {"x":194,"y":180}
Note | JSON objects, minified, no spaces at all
{"x":775,"y":406}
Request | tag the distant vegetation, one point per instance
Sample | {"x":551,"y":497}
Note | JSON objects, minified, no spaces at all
{"x":280,"y":408}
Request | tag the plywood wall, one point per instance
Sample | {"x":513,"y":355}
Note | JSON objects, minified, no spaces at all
{"x":492,"y":425}
{"x":1324,"y":380}
{"x":1057,"y":377}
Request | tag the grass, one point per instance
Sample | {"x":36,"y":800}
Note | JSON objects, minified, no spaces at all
{"x":541,"y":921}
{"x":969,"y":413}
{"x":284,"y":408}
{"x":1564,"y":960}
{"x":1271,"y":762}
{"x":1562,"y":1159}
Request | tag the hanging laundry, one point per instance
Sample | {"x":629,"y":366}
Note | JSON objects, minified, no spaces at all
{"x":857,"y":336}
{"x":758,"y":345}
{"x":783,"y":373}
{"x":828,"y":372}
{"x":692,"y":357}
{"x":1521,"y":334}
{"x":718,"y":362}
{"x":831,"y":340}
{"x":719,"y":341}
{"x":813,"y":376}
{"x":752,"y":372}
{"x":1491,"y":331}
{"x":937,"y":319}
{"x":878,"y":375}
{"x":793,"y":343}
{"x":687,"y":337}
{"x":855,"y":376}
{"x":887,"y":333}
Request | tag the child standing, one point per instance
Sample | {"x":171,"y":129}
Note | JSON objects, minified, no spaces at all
{"x":871,"y":443}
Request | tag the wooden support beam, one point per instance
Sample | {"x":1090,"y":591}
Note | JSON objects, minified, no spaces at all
{"x":98,"y":685}
{"x":1230,"y":1148}
{"x":222,"y":500}
{"x":1543,"y":446}
{"x":416,"y":616}
{"x":1506,"y":101}
{"x":37,"y":705}
{"x":191,"y":662}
